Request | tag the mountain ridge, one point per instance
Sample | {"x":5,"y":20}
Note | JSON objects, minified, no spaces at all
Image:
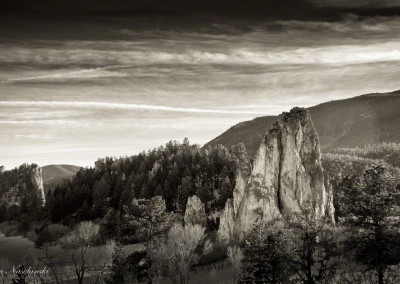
{"x":358,"y":121}
{"x":55,"y":174}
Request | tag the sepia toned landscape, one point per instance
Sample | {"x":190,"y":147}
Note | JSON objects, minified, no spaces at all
{"x":200,"y":142}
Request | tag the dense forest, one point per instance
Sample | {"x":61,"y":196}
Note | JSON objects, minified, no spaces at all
{"x":141,"y":200}
{"x":18,"y":196}
{"x":175,"y":172}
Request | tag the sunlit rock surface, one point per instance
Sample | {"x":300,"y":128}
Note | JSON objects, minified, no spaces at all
{"x":286,"y":173}
{"x":195,"y":212}
{"x":37,"y":182}
{"x":24,"y":182}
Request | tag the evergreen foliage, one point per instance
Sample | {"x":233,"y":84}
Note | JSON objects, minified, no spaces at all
{"x":175,"y":172}
{"x":19,"y":199}
{"x":371,"y":210}
{"x":264,"y":255}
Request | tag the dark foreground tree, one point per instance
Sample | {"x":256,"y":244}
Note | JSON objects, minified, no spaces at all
{"x":264,"y":255}
{"x":146,"y":221}
{"x":127,"y":268}
{"x":371,"y":206}
{"x":312,"y":252}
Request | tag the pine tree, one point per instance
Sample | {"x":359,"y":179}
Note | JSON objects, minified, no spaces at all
{"x":146,"y":221}
{"x":371,"y":206}
{"x":226,"y":192}
{"x":264,"y":255}
{"x":312,"y":251}
{"x":118,"y":268}
{"x":100,"y":195}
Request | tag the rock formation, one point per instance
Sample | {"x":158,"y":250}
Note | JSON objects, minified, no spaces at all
{"x":195,"y":212}
{"x":37,"y":182}
{"x":23,"y":182}
{"x":286,"y":174}
{"x":242,"y":158}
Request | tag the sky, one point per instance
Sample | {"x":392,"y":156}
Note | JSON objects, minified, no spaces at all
{"x":83,"y":81}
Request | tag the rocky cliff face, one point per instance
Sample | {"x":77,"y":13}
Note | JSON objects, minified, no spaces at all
{"x":25,"y":182}
{"x":195,"y":212}
{"x":37,"y":182}
{"x":286,"y":174}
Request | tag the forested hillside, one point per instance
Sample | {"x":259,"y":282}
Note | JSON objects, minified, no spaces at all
{"x":135,"y":200}
{"x":19,"y":193}
{"x":355,"y":122}
{"x":175,"y":171}
{"x":347,"y":162}
{"x":55,"y":174}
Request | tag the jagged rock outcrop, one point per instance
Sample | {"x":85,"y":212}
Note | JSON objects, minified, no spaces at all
{"x":195,"y":212}
{"x":37,"y":182}
{"x":24,"y":182}
{"x":286,"y":174}
{"x":228,"y":227}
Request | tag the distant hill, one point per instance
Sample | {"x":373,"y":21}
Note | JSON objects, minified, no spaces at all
{"x":54,"y":174}
{"x":359,"y":121}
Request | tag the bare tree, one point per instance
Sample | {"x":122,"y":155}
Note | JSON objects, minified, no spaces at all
{"x":34,"y":259}
{"x":235,"y":256}
{"x":180,"y":250}
{"x":77,"y":246}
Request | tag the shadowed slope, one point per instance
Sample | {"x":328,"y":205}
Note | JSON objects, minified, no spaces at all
{"x":358,"y":121}
{"x":54,"y":174}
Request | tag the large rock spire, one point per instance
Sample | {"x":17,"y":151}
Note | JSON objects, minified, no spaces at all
{"x":286,"y":174}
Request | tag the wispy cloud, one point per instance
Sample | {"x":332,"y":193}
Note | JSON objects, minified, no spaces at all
{"x":26,"y":136}
{"x":118,"y":106}
{"x":41,"y":122}
{"x":257,"y":55}
{"x":134,"y":90}
{"x":91,"y":73}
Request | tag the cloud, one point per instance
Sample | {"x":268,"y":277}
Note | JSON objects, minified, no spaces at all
{"x":26,"y":136}
{"x":118,"y":106}
{"x":41,"y":122}
{"x":349,"y":24}
{"x":254,"y":54}
{"x":178,"y":7}
{"x":356,"y":3}
{"x":67,"y":75}
{"x":196,"y":82}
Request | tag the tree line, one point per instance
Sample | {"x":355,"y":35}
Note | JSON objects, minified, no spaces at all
{"x":363,"y":247}
{"x":175,"y":172}
{"x":132,"y":202}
